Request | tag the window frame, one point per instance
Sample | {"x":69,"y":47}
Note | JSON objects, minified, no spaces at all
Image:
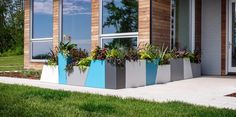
{"x":112,"y":35}
{"x":33,"y":40}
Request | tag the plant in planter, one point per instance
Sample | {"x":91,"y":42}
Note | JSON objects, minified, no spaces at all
{"x":76,"y":75}
{"x":96,"y":74}
{"x":180,"y":66}
{"x":64,"y":59}
{"x":50,"y":70}
{"x":151,"y":57}
{"x":141,"y":66}
{"x":195,"y":59}
{"x":164,"y":69}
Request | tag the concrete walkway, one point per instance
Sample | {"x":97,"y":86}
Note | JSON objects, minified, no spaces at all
{"x":207,"y":91}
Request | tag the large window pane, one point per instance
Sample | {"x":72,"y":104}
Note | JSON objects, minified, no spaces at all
{"x":77,"y":22}
{"x":120,"y":42}
{"x":119,"y":16}
{"x":42,"y":18}
{"x":181,"y":24}
{"x":40,"y":50}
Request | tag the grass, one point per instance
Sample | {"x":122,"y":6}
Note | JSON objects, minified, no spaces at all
{"x":11,"y":63}
{"x":27,"y":101}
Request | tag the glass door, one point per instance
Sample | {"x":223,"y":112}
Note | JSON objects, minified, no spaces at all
{"x":232,"y":36}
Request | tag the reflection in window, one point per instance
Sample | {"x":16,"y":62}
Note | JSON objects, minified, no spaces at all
{"x":40,"y":50}
{"x":76,"y":24}
{"x":42,"y":18}
{"x":120,"y":42}
{"x":42,"y":29}
{"x":181,"y":24}
{"x":119,"y":16}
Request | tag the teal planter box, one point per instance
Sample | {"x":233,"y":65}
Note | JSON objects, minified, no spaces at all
{"x":62,"y":63}
{"x":102,"y":74}
{"x":96,"y":74}
{"x":151,"y":71}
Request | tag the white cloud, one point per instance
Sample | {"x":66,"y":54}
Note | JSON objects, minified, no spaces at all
{"x":75,"y":7}
{"x":70,"y":7}
{"x":43,"y":6}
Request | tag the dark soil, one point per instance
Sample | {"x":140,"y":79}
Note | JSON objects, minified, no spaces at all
{"x":19,"y":75}
{"x":232,"y":95}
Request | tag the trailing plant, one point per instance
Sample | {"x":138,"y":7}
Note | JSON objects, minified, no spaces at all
{"x":84,"y":63}
{"x":195,"y":57}
{"x":149,"y":52}
{"x":116,"y":57}
{"x":53,"y":57}
{"x":99,"y":54}
{"x":65,"y":48}
{"x":132,"y":54}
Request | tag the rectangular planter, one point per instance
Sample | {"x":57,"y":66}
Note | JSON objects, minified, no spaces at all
{"x":115,"y":76}
{"x":196,"y":70}
{"x":49,"y":74}
{"x":62,"y":63}
{"x":163,"y":74}
{"x":102,"y":74}
{"x":77,"y":77}
{"x":180,"y":69}
{"x":140,"y":73}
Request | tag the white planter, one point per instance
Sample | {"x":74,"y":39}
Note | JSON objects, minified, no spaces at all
{"x":50,"y":74}
{"x":187,"y":69}
{"x":163,"y":74}
{"x":196,"y":70}
{"x":77,"y":77}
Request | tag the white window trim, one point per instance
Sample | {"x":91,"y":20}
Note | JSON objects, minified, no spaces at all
{"x":112,"y":35}
{"x":48,"y":39}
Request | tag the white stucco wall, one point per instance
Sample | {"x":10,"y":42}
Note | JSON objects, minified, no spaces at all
{"x":211,"y":37}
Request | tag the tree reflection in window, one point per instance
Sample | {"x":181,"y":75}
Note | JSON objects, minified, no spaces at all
{"x":120,"y":16}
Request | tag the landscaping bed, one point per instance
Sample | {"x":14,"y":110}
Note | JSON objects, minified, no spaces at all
{"x":22,"y":74}
{"x":25,"y":101}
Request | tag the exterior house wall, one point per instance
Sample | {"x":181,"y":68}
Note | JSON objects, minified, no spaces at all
{"x":28,"y":64}
{"x":161,"y":23}
{"x":211,"y":37}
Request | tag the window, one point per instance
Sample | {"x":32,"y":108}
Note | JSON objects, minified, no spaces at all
{"x":119,"y":22}
{"x":41,"y":28}
{"x":76,"y":22}
{"x":182,"y":28}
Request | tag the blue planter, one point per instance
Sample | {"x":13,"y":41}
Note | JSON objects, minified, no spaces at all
{"x":96,"y":74}
{"x":103,"y":74}
{"x":151,"y":72}
{"x":63,"y":61}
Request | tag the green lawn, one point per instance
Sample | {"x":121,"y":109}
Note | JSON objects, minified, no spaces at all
{"x":26,"y":101}
{"x":11,"y":63}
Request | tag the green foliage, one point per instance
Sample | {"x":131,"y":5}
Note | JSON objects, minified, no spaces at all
{"x":125,"y":18}
{"x":53,"y":57}
{"x":11,"y":27}
{"x":99,"y":53}
{"x":132,"y":54}
{"x":65,"y":48}
{"x":76,"y":56}
{"x":116,"y":57}
{"x":84,"y":63}
{"x":149,"y":52}
{"x":195,"y":57}
{"x":165,"y":56}
{"x":11,"y":63}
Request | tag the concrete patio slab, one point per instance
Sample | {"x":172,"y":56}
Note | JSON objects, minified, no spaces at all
{"x":206,"y":91}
